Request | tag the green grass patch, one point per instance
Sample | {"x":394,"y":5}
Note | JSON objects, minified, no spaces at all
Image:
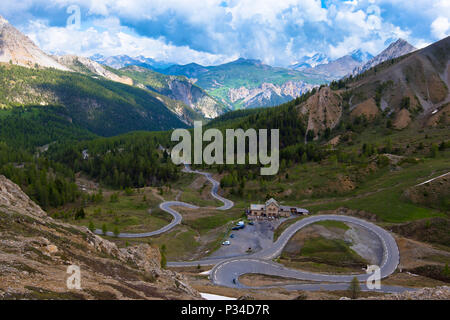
{"x":205,"y":224}
{"x":333,"y":224}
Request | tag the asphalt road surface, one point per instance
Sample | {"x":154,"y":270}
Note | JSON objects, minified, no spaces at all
{"x":260,"y":262}
{"x":166,"y":206}
{"x":227,"y":204}
{"x":226,"y":271}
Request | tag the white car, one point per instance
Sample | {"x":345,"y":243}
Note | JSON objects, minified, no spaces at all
{"x":226,"y":243}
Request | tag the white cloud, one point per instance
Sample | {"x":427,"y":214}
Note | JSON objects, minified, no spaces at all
{"x":440,"y":27}
{"x":114,"y":40}
{"x":206,"y":31}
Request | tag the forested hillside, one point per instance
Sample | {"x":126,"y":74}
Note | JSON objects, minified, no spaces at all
{"x":100,"y":106}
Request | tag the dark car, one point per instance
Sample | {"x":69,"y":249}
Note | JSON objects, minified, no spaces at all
{"x":251,"y":223}
{"x":231,"y":235}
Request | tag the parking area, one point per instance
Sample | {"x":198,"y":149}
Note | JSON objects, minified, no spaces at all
{"x":251,"y":239}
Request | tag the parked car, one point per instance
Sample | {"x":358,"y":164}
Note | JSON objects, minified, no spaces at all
{"x":232,"y":235}
{"x":251,"y":223}
{"x":226,"y":243}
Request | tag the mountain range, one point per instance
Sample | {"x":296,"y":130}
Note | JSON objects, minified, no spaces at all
{"x":412,"y":89}
{"x":151,"y":90}
{"x":354,"y":63}
{"x":81,"y":90}
{"x":336,"y":69}
{"x":395,"y":50}
{"x":121,"y":61}
{"x":247,"y":83}
{"x":307,"y":62}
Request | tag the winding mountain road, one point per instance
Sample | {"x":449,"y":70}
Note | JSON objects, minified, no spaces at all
{"x":226,"y":272}
{"x":177,"y":218}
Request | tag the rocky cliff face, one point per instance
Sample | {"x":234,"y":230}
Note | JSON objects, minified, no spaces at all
{"x":18,"y":49}
{"x":194,"y":97}
{"x":268,"y":94}
{"x":324,"y":110}
{"x":36,"y":250}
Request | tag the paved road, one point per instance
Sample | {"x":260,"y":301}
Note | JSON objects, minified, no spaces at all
{"x":227,"y":204}
{"x":260,"y":262}
{"x":428,"y":181}
{"x":226,"y":272}
{"x":166,"y":206}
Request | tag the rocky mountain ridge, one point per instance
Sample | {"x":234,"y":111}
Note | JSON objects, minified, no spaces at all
{"x":336,"y":69}
{"x":394,"y":50}
{"x":406,"y":89}
{"x":16,"y":48}
{"x":88,"y":66}
{"x":121,"y":61}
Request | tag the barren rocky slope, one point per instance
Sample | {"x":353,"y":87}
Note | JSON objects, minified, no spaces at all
{"x":395,"y":50}
{"x":438,"y":293}
{"x":36,"y":250}
{"x":87,"y":66}
{"x":17,"y":48}
{"x":406,"y":89}
{"x":177,"y":88}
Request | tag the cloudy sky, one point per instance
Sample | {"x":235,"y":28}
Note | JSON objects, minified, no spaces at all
{"x":279,"y":32}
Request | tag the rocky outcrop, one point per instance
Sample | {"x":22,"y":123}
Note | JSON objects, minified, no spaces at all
{"x":193,"y":96}
{"x":324,"y":110}
{"x":35,"y":252}
{"x":367,"y":109}
{"x":268,"y":94}
{"x":16,"y":48}
{"x":438,"y":293}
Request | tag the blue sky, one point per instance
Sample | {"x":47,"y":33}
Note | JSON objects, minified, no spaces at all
{"x":278,"y":32}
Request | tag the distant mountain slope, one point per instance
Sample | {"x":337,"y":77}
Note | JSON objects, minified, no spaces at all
{"x":395,"y":50}
{"x":409,"y":86}
{"x":341,"y":67}
{"x":18,"y":49}
{"x":103,"y":107}
{"x":89,"y":67}
{"x":37,"y":126}
{"x":186,"y":100}
{"x":50,"y":88}
{"x":121,"y":61}
{"x":395,"y":93}
{"x":247,"y":83}
{"x":307,"y":62}
{"x":175,"y":87}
